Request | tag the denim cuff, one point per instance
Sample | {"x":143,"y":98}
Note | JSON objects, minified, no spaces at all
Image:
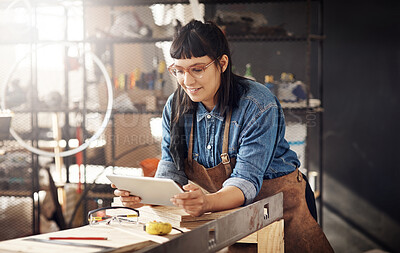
{"x":167,"y":169}
{"x":248,"y":189}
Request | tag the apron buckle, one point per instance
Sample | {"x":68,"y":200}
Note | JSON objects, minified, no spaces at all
{"x":299,"y":176}
{"x":225,"y":158}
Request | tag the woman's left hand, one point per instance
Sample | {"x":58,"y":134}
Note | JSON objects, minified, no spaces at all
{"x":194,"y":201}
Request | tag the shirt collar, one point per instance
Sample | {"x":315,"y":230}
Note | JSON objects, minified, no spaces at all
{"x":202,"y":112}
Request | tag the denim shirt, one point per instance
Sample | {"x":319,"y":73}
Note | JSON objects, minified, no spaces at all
{"x":256,"y":139}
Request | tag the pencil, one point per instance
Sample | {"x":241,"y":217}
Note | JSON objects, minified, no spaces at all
{"x":77,"y":238}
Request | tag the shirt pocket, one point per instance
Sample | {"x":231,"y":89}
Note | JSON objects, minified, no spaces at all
{"x":234,"y":133}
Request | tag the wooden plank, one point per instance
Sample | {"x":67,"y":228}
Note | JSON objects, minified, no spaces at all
{"x":249,"y":239}
{"x":174,"y":215}
{"x":270,"y":239}
{"x":179,"y":214}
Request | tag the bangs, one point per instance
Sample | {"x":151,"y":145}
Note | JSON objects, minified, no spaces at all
{"x":189,"y":44}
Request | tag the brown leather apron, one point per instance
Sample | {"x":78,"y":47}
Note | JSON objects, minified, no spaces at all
{"x":302,"y":233}
{"x":211,"y":179}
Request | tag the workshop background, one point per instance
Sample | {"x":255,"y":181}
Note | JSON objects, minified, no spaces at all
{"x":334,"y":65}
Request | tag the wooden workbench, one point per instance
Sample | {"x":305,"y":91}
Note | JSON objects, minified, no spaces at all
{"x":123,"y":239}
{"x":268,"y":239}
{"x":132,"y":237}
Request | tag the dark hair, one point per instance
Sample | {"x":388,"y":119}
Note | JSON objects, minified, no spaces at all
{"x":197,"y":39}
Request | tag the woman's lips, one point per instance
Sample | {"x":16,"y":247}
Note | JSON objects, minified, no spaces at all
{"x":192,"y":90}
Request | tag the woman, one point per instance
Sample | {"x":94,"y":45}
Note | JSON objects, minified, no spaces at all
{"x":226,"y":133}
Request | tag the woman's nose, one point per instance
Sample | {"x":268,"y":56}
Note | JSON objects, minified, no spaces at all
{"x":188,"y":79}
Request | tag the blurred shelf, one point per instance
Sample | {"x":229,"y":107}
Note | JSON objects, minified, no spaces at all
{"x":249,"y":1}
{"x":127,"y":40}
{"x":314,"y":104}
{"x":90,"y":40}
{"x":151,"y":2}
{"x":100,"y":195}
{"x":102,"y":111}
{"x":26,"y":193}
{"x":39,"y":42}
{"x":132,"y":2}
{"x":14,"y":42}
{"x":136,"y":112}
{"x":15,"y":193}
{"x":4,"y":4}
{"x":232,"y":38}
{"x":266,"y":38}
{"x":49,"y":110}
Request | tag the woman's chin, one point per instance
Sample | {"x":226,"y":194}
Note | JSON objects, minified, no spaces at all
{"x":193,"y":98}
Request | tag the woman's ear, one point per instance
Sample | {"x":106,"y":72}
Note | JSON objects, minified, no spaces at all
{"x":223,"y":62}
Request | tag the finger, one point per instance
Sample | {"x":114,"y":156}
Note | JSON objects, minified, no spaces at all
{"x":119,"y":193}
{"x":189,"y":195}
{"x":132,"y":205}
{"x":191,"y":187}
{"x":194,"y":211}
{"x":133,"y":199}
{"x":195,"y":214}
{"x":195,"y":200}
{"x":189,"y":202}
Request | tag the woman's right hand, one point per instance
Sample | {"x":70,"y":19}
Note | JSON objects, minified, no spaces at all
{"x":126,"y":199}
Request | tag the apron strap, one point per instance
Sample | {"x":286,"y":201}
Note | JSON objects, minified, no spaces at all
{"x":226,"y":161}
{"x":224,"y":156}
{"x":190,"y":151}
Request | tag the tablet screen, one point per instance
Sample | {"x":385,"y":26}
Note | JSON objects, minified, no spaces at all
{"x":154,"y":191}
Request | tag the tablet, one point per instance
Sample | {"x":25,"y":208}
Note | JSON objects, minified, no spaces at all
{"x":154,"y":191}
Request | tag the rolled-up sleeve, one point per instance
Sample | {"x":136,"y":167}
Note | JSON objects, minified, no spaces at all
{"x":248,"y":189}
{"x":256,"y":150}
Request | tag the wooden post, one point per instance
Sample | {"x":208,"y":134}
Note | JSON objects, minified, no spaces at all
{"x":270,"y":239}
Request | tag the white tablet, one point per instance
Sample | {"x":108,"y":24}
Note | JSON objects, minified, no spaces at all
{"x":154,"y":191}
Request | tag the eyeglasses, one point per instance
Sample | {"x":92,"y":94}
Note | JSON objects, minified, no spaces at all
{"x":196,"y":71}
{"x":106,"y":215}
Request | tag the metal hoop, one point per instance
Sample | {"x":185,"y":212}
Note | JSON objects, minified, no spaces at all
{"x":95,"y":136}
